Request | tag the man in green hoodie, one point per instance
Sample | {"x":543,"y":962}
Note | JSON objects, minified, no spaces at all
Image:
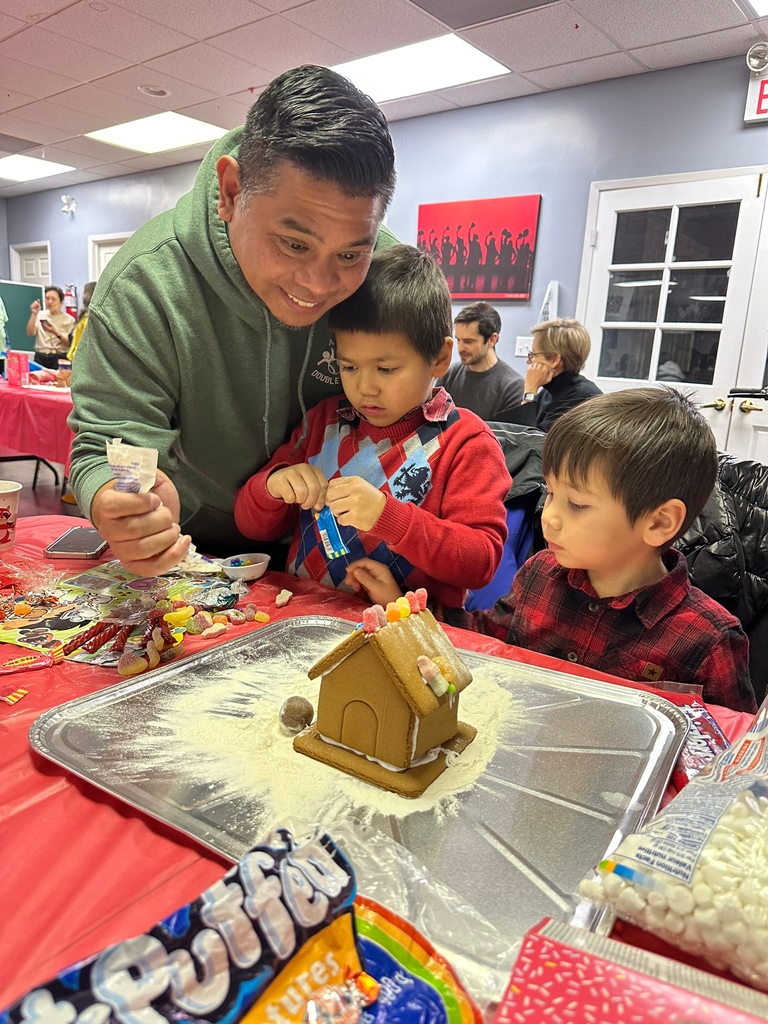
{"x":207,"y":336}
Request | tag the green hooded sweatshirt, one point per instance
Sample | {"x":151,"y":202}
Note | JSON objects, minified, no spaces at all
{"x":180,"y":354}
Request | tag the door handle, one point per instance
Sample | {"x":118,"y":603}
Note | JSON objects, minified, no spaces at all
{"x":748,"y":406}
{"x":719,"y":404}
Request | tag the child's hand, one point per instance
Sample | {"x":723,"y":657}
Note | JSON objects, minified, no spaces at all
{"x":355,"y":502}
{"x":375,"y":579}
{"x":298,"y":485}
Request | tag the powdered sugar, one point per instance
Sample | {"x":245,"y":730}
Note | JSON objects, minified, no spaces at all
{"x":227,"y":731}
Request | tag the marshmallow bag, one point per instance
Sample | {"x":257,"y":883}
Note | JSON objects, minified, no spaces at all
{"x":696,"y":875}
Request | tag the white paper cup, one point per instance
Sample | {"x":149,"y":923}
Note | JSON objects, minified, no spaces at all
{"x":9,"y":510}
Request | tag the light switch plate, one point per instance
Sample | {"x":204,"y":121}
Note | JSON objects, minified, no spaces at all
{"x":523,"y":345}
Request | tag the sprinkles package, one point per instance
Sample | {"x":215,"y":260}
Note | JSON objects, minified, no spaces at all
{"x":697,"y":874}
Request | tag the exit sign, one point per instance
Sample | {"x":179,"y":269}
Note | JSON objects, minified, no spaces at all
{"x":757,"y":99}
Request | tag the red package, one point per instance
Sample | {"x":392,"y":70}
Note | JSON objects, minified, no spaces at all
{"x":703,"y":743}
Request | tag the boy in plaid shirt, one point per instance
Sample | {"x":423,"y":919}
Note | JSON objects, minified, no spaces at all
{"x":626,"y":473}
{"x":416,"y":485}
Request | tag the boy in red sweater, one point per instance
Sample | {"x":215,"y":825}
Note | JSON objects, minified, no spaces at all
{"x":415,"y":484}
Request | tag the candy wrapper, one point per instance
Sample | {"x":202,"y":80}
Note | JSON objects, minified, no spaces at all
{"x":134,"y":469}
{"x":704,"y":741}
{"x":697,"y":873}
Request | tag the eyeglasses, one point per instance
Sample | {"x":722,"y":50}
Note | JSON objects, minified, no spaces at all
{"x":532,"y":355}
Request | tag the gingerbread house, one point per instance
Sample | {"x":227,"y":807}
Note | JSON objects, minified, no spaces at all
{"x":377,"y":716}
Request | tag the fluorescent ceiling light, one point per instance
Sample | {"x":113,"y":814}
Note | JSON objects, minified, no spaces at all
{"x":420,"y":67}
{"x":28,"y":168}
{"x":760,"y":7}
{"x":708,"y":298}
{"x":638,"y":284}
{"x":158,"y":133}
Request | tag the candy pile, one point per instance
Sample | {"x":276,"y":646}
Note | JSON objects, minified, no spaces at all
{"x":376,"y":617}
{"x":697,"y":874}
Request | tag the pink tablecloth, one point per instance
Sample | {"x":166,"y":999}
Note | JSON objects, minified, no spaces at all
{"x":81,"y":870}
{"x":34,"y":422}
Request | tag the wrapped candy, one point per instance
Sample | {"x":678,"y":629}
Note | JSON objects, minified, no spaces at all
{"x":342,"y":1004}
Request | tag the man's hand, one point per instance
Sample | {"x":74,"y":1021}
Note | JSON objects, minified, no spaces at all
{"x":298,"y":485}
{"x":375,"y":579}
{"x":142,"y":529}
{"x":355,"y":502}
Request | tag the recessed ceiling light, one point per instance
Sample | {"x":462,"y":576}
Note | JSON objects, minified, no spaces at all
{"x":28,"y":168}
{"x":758,"y":7}
{"x":153,"y":90}
{"x":420,"y":67}
{"x":158,"y":133}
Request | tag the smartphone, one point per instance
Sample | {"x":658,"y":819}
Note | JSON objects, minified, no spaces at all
{"x":79,"y":542}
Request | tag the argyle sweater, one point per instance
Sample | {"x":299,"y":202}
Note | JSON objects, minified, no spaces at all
{"x":669,"y":630}
{"x":442,"y":471}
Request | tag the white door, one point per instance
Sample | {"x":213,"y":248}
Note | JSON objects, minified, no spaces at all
{"x":31,"y":264}
{"x":666,"y":295}
{"x":101,"y":249}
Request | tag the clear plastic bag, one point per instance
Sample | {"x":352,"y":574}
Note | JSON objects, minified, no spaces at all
{"x":697,"y":874}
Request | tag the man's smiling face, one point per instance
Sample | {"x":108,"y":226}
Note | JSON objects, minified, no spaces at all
{"x":304,"y":245}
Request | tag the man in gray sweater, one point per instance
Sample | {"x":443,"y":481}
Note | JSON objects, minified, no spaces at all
{"x":481,"y":381}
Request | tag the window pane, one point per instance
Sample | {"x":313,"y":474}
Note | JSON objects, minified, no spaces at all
{"x":706,"y":232}
{"x":688,"y":356}
{"x":626,"y":353}
{"x":696,"y":296}
{"x":641,"y":236}
{"x":633,"y":295}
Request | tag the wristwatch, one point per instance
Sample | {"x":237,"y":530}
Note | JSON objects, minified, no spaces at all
{"x":529,"y":396}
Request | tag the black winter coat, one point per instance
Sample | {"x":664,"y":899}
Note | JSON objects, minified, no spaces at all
{"x":726,"y":547}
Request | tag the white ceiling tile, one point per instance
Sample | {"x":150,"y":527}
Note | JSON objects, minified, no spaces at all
{"x":197,"y":18}
{"x":211,"y":69}
{"x":539,"y":39}
{"x":278,"y":45}
{"x":65,"y":155}
{"x":99,"y":152}
{"x":180,"y":94}
{"x":52,"y":114}
{"x":38,"y":47}
{"x":32,"y":10}
{"x":115,"y":30}
{"x":55,"y":181}
{"x":22,"y":128}
{"x":9,"y":99}
{"x":707,"y":47}
{"x":224,"y":111}
{"x":9,"y":26}
{"x":506,"y":87}
{"x":38,"y":82}
{"x":595,"y":69}
{"x":366,"y":28}
{"x":653,"y":21}
{"x":149,"y":161}
{"x":114,"y":170}
{"x":110,"y":109}
{"x":280,"y":5}
{"x":415,"y":106}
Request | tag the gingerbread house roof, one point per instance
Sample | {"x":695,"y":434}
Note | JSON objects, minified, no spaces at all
{"x":398,"y":645}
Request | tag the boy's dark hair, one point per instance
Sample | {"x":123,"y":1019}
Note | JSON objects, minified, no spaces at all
{"x":651,"y":445}
{"x":405,"y":292}
{"x":484,"y":315}
{"x":55,"y":288}
{"x":319,"y":121}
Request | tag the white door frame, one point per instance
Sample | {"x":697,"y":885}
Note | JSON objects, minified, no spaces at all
{"x":16,"y":254}
{"x":597,"y":187}
{"x":95,"y":241}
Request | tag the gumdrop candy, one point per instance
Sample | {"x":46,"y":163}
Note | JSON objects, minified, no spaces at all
{"x":413,"y":602}
{"x":131,"y":664}
{"x":215,"y":630}
{"x":421,"y":597}
{"x":261,"y":617}
{"x":370,"y":620}
{"x":392,"y":612}
{"x":404,"y":605}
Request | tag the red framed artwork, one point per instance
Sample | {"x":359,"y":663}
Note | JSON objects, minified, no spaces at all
{"x":485,"y":247}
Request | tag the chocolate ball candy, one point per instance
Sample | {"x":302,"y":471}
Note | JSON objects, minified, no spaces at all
{"x":295,"y":714}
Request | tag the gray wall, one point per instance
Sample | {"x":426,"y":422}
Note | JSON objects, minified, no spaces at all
{"x":683,"y":119}
{"x":5,"y":270}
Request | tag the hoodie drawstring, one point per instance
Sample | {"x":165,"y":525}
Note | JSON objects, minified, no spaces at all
{"x":267,"y":369}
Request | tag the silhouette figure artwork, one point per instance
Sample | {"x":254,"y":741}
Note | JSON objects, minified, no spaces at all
{"x":490,"y":258}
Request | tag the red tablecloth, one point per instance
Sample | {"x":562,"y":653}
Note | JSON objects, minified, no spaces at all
{"x":33,"y":421}
{"x":81,"y":870}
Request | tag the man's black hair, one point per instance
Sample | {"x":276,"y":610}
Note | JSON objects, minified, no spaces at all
{"x":484,"y":315}
{"x":321,"y":123}
{"x":405,"y":292}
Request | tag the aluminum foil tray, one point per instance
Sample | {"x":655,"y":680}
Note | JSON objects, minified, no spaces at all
{"x":590,"y":765}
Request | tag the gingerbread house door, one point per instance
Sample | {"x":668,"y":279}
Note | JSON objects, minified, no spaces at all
{"x":359,"y":727}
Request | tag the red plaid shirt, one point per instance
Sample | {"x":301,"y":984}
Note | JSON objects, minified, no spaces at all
{"x":670,"y":630}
